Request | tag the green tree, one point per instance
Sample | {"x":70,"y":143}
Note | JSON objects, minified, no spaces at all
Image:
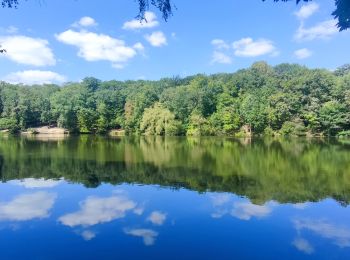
{"x":334,"y":117}
{"x":198,"y":125}
{"x":158,"y":120}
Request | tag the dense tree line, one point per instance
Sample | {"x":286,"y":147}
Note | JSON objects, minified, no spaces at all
{"x":287,"y":99}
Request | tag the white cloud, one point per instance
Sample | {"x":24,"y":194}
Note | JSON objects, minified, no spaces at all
{"x":88,"y":235}
{"x":220,"y":57}
{"x":31,"y":183}
{"x":219,"y":213}
{"x":10,"y":30}
{"x":247,"y":47}
{"x":31,"y":77}
{"x":303,"y":245}
{"x":97,"y":47}
{"x":156,"y":39}
{"x":96,"y":210}
{"x":220,"y":44}
{"x":27,"y":206}
{"x":150,"y":22}
{"x":139,"y":210}
{"x":138,"y":46}
{"x":219,"y":199}
{"x":148,"y":235}
{"x":307,"y":10}
{"x":85,"y":21}
{"x":28,"y":51}
{"x":118,"y":66}
{"x":301,"y":205}
{"x":322,"y":30}
{"x":302,"y":53}
{"x":157,"y":218}
{"x":247,"y":210}
{"x":339,"y":234}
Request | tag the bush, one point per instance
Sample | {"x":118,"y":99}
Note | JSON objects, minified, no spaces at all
{"x":269,"y":131}
{"x":344,"y":134}
{"x":295,"y":128}
{"x":9,"y":124}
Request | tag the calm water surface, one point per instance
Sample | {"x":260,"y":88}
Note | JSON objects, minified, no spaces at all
{"x":174,"y":198}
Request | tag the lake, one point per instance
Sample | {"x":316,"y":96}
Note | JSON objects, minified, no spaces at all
{"x":174,"y":198}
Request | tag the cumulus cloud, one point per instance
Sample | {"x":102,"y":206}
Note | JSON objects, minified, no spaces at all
{"x":219,"y":199}
{"x":338,"y":234}
{"x":219,"y":202}
{"x":95,"y":210}
{"x":85,"y":21}
{"x":31,"y":77}
{"x":247,"y":210}
{"x":88,"y":235}
{"x":220,"y":44}
{"x":302,"y":53}
{"x":156,"y":39}
{"x":148,"y":235}
{"x":27,"y":50}
{"x":303,"y":245}
{"x":27,"y":206}
{"x":220,"y":53}
{"x":247,"y":47}
{"x":31,"y":183}
{"x":220,"y":57}
{"x":307,"y":10}
{"x":139,"y":210}
{"x":135,"y":24}
{"x":98,"y":47}
{"x":157,"y":218}
{"x":138,"y":46}
{"x":300,"y":205}
{"x":322,"y":30}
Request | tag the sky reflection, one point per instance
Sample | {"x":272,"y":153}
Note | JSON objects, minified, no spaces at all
{"x":131,"y":216}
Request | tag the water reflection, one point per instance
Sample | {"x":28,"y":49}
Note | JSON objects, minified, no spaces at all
{"x":148,"y":235}
{"x":31,"y":183}
{"x":241,"y":209}
{"x":88,"y":235}
{"x":247,"y":210}
{"x":339,"y":235}
{"x":303,"y":245}
{"x":294,"y":171}
{"x":96,"y":210}
{"x":27,"y":206}
{"x":174,"y":198}
{"x":157,"y":218}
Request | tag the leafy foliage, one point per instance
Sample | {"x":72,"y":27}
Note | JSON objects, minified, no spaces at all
{"x":287,"y":99}
{"x":9,"y":3}
{"x":158,"y":120}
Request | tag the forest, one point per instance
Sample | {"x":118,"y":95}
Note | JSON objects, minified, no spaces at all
{"x":287,"y":99}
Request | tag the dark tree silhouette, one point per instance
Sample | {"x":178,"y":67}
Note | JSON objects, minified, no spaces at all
{"x":341,"y":13}
{"x":9,"y":3}
{"x":164,"y":6}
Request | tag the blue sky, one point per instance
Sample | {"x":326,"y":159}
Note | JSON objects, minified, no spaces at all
{"x":57,"y":41}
